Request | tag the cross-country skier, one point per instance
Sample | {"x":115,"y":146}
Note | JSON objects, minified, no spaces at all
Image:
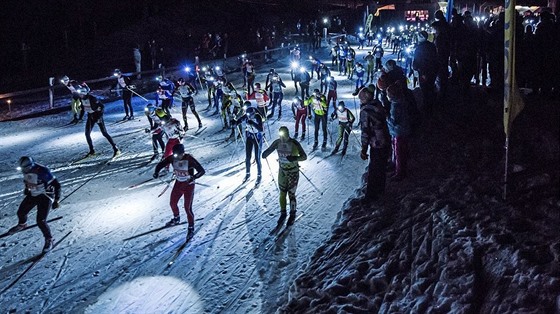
{"x":331,"y":91}
{"x":94,"y":109}
{"x":124,"y":82}
{"x":184,"y":167}
{"x":42,"y":189}
{"x":253,"y":138}
{"x":276,"y":85}
{"x":231,"y":108}
{"x":186,"y":91}
{"x":318,"y":103}
{"x":157,"y":133}
{"x":76,"y":104}
{"x":164,"y":97}
{"x":250,"y":76}
{"x":208,"y":77}
{"x":172,"y":128}
{"x":345,"y":121}
{"x":261,"y":98}
{"x":290,"y":153}
{"x":167,"y":85}
{"x":299,"y":109}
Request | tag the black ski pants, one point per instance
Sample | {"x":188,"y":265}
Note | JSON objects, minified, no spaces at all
{"x":127,"y":102}
{"x":43,"y":204}
{"x":92,"y":119}
{"x":320,"y":120}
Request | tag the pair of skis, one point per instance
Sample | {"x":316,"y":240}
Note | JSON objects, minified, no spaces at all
{"x":34,"y":261}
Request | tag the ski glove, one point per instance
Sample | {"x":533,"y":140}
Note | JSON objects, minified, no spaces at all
{"x":364,"y":156}
{"x":155,"y":175}
{"x":55,"y":204}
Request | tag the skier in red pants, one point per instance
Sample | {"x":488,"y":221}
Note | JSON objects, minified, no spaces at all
{"x":184,"y":166}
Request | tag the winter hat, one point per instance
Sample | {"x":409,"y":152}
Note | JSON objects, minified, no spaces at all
{"x":423,"y":36}
{"x":366,"y":94}
{"x":382,"y":82}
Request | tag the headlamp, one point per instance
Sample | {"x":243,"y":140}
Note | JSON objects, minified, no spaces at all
{"x":302,"y":69}
{"x":204,"y":68}
{"x":310,"y":57}
{"x":115,"y":74}
{"x":187,"y":69}
{"x":19,"y":169}
{"x":328,"y":79}
{"x":294,"y":65}
{"x":217,"y":68}
{"x":282,"y":133}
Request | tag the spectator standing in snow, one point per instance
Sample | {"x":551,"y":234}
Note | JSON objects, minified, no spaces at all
{"x":375,"y":140}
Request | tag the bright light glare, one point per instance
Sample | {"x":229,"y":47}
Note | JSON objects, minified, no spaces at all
{"x":149,"y":295}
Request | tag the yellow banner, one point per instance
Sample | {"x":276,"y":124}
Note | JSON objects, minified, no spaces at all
{"x":368,"y":22}
{"x":513,"y":103}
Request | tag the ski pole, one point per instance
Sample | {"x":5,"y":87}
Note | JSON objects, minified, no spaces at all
{"x":271,"y":174}
{"x":167,"y":186}
{"x":316,"y":188}
{"x":330,"y":131}
{"x":356,"y":108}
{"x":135,"y":93}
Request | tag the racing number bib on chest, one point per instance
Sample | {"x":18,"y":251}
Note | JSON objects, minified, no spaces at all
{"x":181,"y":170}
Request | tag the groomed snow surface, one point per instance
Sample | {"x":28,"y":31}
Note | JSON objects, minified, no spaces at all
{"x":441,"y":241}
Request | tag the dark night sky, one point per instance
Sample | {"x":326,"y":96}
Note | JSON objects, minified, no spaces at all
{"x":58,"y":35}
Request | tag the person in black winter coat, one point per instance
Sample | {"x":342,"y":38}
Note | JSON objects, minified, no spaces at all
{"x":425,"y":62}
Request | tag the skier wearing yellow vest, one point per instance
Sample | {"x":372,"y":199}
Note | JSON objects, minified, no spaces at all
{"x":290,"y":153}
{"x":318,"y":104}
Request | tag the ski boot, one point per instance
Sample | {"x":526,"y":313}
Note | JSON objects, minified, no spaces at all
{"x":131,"y":117}
{"x":296,"y":135}
{"x":335,"y":150}
{"x":324,"y":146}
{"x":302,"y":136}
{"x":343,"y":152}
{"x":199,"y":125}
{"x":315,"y":146}
{"x":116,"y":151}
{"x":17,"y":228}
{"x":174,"y":221}
{"x":91,"y":153}
{"x":282,"y":218}
{"x":154,"y":156}
{"x":126,"y":117}
{"x":190,"y":233}
{"x":48,"y":245}
{"x":292,"y":218}
{"x":258,"y":181}
{"x":246,"y":177}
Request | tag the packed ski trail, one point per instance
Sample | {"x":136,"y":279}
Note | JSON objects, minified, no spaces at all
{"x":231,"y":264}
